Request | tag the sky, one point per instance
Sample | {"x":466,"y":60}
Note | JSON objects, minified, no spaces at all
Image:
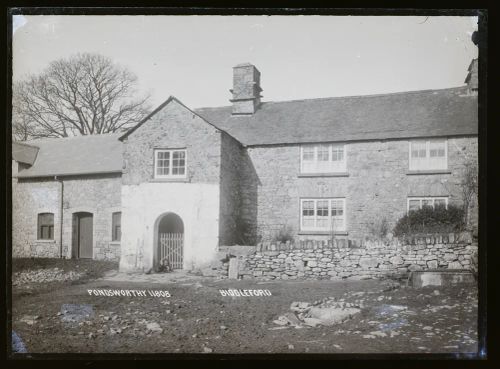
{"x":299,"y":57}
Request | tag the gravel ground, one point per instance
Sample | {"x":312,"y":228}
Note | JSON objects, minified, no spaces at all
{"x":196,"y":318}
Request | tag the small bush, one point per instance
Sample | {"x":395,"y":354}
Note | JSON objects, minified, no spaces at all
{"x":431,"y":220}
{"x":380,"y":228}
{"x":284,"y":234}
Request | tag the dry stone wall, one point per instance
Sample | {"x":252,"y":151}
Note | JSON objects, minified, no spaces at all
{"x":342,"y":259}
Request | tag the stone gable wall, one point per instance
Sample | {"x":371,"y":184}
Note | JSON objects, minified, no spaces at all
{"x":173,"y":127}
{"x":196,"y":199}
{"x":341,"y":260}
{"x":377,"y":185}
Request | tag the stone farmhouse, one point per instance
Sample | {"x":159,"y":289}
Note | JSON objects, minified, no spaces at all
{"x":184,"y":182}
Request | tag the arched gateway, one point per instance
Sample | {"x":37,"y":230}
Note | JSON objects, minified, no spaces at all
{"x":169,"y":232}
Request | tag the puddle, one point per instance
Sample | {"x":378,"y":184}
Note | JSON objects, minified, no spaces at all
{"x":18,"y":344}
{"x":76,"y":313}
{"x":391,"y":326}
{"x":389,"y":309}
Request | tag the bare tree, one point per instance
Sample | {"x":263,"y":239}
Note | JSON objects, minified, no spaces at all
{"x":85,"y":94}
{"x":22,"y":128}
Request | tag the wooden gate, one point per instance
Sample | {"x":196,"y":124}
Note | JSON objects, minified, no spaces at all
{"x":171,"y":249}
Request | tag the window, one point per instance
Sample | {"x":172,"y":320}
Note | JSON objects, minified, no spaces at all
{"x":416,"y":203}
{"x":116,"y":226}
{"x":325,"y":158}
{"x":45,"y":226}
{"x":428,"y":155}
{"x":323,"y":215}
{"x":170,"y":163}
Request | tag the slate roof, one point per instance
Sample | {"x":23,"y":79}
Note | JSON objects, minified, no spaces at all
{"x":446,"y":112}
{"x":75,"y":156}
{"x":429,"y":113}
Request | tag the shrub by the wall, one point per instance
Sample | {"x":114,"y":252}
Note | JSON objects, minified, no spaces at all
{"x":379,"y":229}
{"x":431,"y":220}
{"x":284,"y":234}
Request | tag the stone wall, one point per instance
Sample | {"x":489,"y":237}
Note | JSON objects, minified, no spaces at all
{"x":376,"y":185}
{"x":28,"y":200}
{"x":174,"y":126}
{"x":229,"y":191}
{"x":342,"y":259}
{"x":99,"y":195}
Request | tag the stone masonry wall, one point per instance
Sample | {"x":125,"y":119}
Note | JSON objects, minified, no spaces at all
{"x":172,"y":127}
{"x":342,"y":259}
{"x":99,"y":195}
{"x":28,"y":200}
{"x":376,"y":185}
{"x":229,"y":191}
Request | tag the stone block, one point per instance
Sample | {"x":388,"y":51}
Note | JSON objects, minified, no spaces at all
{"x":397,"y":260}
{"x":455,"y":265}
{"x":450,"y":256}
{"x":431,"y":264}
{"x":233,"y":271}
{"x":368,"y":262}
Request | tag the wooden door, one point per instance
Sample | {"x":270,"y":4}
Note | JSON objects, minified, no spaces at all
{"x":85,"y":241}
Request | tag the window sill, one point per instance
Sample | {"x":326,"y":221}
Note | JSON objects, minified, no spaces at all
{"x":160,"y":180}
{"x":114,"y":242}
{"x":45,"y":241}
{"x":420,"y":172}
{"x":339,"y":174}
{"x":323,"y":233}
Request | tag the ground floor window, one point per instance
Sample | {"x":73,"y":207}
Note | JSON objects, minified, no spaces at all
{"x":415,"y":203}
{"x":116,"y":227}
{"x":323,"y":214}
{"x":45,"y":226}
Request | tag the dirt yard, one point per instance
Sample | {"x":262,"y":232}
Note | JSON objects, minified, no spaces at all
{"x":196,"y":318}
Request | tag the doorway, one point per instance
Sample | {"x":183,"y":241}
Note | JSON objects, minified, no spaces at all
{"x":170,"y":236}
{"x":82,"y":237}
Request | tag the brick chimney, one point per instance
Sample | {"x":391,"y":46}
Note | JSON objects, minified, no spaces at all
{"x":472,"y":77}
{"x":246,"y":89}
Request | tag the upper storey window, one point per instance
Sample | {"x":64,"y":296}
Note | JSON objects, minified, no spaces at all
{"x":170,"y":163}
{"x":429,"y":154}
{"x":324,"y":158}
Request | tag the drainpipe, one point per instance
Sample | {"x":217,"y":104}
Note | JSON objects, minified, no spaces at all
{"x":60,"y":218}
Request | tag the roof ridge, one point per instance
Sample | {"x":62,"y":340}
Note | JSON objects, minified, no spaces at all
{"x":23,"y":143}
{"x":72,"y":137}
{"x":345,"y":97}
